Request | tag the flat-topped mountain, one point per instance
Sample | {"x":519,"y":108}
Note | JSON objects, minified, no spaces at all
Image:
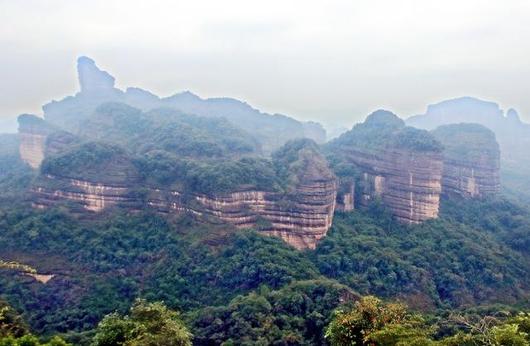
{"x":388,"y":161}
{"x":105,"y":148}
{"x":512,"y":134}
{"x":471,"y":160}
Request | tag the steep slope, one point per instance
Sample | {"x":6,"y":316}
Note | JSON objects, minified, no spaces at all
{"x":512,"y":134}
{"x":471,"y":160}
{"x":399,"y":165}
{"x":294,"y":201}
{"x":38,"y":139}
{"x":97,"y":87}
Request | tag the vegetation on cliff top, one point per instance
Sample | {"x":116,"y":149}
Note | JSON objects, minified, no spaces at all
{"x":169,"y":130}
{"x":467,"y":141}
{"x":384,"y":130}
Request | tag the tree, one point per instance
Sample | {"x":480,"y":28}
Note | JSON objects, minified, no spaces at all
{"x":148,"y":324}
{"x":11,"y":323}
{"x":372,"y":322}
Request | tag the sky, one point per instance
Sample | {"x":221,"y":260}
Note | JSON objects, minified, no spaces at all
{"x":330,"y":61}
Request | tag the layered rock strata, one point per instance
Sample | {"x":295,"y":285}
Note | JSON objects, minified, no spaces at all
{"x":408,"y":183}
{"x":301,"y":218}
{"x":397,"y":165}
{"x":471,"y":160}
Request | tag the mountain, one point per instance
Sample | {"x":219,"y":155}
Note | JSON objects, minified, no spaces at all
{"x":114,"y":196}
{"x":97,"y":87}
{"x":512,"y":134}
{"x":388,"y":161}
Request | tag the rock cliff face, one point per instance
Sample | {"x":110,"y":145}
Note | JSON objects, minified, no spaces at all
{"x":408,"y":183}
{"x":471,"y":160}
{"x":300,"y":219}
{"x":38,"y":139}
{"x":96,"y":177}
{"x":32,"y":136}
{"x":400,"y":166}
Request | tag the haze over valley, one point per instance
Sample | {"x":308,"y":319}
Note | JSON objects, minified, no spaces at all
{"x":320,"y":175}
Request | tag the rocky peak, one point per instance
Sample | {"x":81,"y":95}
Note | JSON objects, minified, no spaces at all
{"x":91,"y":78}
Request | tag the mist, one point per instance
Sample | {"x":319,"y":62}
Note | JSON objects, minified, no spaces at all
{"x":332,"y":62}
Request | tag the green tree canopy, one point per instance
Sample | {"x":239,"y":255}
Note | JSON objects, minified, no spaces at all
{"x":148,"y":324}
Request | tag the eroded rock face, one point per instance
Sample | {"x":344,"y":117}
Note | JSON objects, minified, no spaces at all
{"x":38,"y":138}
{"x":300,"y":219}
{"x":33,"y":132}
{"x":471,"y":160}
{"x":394,"y":164}
{"x":301,"y":214}
{"x":346,"y":195}
{"x":408,"y":183}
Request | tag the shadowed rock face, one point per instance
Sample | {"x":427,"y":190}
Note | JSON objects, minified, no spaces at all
{"x":400,"y":166}
{"x":471,"y":160}
{"x":300,"y":218}
{"x":408,"y":183}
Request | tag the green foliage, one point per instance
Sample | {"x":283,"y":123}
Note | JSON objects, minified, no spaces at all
{"x":15,"y":175}
{"x":102,"y":266}
{"x":298,"y":159}
{"x":147,"y":324}
{"x":168,"y":130}
{"x":450,"y":261}
{"x":293,"y":315}
{"x":383,"y":129}
{"x":467,"y":141}
{"x":373,"y":322}
{"x":93,"y":161}
{"x":11,"y":323}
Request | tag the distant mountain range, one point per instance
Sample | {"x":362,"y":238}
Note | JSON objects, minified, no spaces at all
{"x":512,"y":134}
{"x":97,"y":87}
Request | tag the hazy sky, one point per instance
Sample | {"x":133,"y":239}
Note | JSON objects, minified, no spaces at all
{"x":330,"y":61}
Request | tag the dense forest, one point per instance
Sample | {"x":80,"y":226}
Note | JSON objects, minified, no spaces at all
{"x":239,"y":287}
{"x":94,"y":263}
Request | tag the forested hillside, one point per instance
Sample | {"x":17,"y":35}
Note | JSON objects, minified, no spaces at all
{"x":211,"y":272}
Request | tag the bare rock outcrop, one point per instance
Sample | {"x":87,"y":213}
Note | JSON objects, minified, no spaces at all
{"x":38,"y":139}
{"x":471,"y":160}
{"x":96,"y":176}
{"x":398,"y":165}
{"x":32,"y":134}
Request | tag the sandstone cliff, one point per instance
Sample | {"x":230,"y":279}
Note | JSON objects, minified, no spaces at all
{"x":471,"y":160}
{"x":400,"y":166}
{"x":96,"y":177}
{"x":38,"y":138}
{"x":32,"y":135}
